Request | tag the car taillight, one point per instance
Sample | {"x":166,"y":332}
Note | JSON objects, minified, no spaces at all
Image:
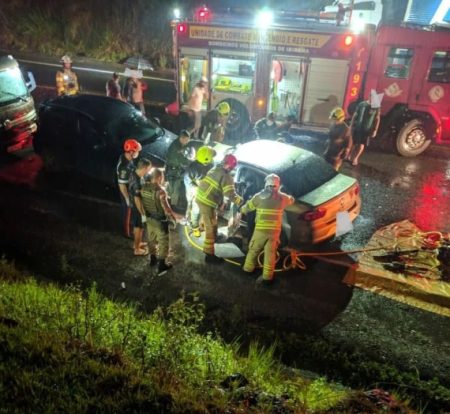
{"x":314,"y":215}
{"x":356,"y":190}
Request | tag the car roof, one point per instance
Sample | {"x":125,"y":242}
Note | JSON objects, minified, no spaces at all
{"x":272,"y":156}
{"x":98,"y":107}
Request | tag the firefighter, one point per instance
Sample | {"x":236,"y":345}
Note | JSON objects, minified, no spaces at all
{"x":269,"y":205}
{"x":194,"y":173}
{"x":125,"y":167}
{"x":158,"y":216}
{"x":138,"y":216}
{"x":214,"y":123}
{"x":66,"y":79}
{"x":178,"y":158}
{"x":339,"y":139}
{"x":213,"y":191}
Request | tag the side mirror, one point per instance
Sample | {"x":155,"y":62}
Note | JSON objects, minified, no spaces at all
{"x":157,"y":120}
{"x":30,"y":82}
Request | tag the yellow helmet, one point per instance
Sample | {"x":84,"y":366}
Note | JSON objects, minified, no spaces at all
{"x":224,"y":108}
{"x":205,"y":155}
{"x":338,"y":114}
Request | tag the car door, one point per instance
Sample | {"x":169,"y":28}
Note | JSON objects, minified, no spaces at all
{"x":91,"y":148}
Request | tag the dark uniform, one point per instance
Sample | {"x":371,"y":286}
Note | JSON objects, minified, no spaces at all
{"x":176,"y":164}
{"x":194,"y":173}
{"x":158,"y":213}
{"x":364,"y":123}
{"x":339,"y":144}
{"x":134,"y":189}
{"x":265,"y":131}
{"x":212,"y":125}
{"x":124,"y":170}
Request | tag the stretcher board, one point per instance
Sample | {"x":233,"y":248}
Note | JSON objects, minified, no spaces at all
{"x":428,"y":293}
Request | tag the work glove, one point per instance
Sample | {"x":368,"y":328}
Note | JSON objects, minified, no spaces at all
{"x":238,"y":200}
{"x":144,"y":218}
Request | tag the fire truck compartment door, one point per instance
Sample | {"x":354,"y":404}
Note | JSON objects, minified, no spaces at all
{"x":325,"y":89}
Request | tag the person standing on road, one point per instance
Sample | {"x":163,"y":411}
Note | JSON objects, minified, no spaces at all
{"x":133,"y":92}
{"x":199,"y":94}
{"x":339,"y":139}
{"x":194,"y":173}
{"x":66,"y":79}
{"x":269,"y":205}
{"x":124,"y":169}
{"x":365,"y":123}
{"x":177,"y":160}
{"x":159,"y":214}
{"x":214,"y":123}
{"x":213,"y":192}
{"x":113,"y":87}
{"x":138,"y":217}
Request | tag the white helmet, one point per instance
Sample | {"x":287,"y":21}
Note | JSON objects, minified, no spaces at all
{"x":66,"y":59}
{"x":272,"y":180}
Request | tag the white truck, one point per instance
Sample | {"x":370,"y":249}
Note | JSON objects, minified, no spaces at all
{"x":17,"y":111}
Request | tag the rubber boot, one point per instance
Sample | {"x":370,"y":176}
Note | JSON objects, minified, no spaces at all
{"x":163,"y":267}
{"x":213,"y":259}
{"x":153,"y":260}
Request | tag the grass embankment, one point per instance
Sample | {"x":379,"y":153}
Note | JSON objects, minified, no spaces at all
{"x":62,"y":350}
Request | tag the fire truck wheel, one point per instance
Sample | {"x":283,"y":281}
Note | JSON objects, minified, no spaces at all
{"x":238,"y":122}
{"x":412,"y":139}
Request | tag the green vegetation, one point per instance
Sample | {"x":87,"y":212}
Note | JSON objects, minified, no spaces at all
{"x":62,"y":350}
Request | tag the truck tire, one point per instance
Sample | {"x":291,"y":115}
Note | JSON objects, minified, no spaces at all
{"x":238,"y":123}
{"x":412,"y":139}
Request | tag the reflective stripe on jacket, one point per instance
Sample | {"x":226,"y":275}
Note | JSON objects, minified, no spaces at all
{"x":269,"y":209}
{"x":66,"y":83}
{"x":217,"y":184}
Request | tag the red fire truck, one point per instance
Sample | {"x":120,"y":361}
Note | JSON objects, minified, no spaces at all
{"x":305,"y":68}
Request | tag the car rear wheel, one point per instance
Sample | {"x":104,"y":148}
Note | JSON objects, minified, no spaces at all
{"x":412,"y":139}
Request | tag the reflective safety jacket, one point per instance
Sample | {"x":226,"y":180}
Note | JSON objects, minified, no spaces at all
{"x":154,"y":200}
{"x":67,"y":83}
{"x":269,"y":206}
{"x":215,"y":186}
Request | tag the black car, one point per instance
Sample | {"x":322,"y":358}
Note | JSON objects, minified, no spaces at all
{"x":85,"y":134}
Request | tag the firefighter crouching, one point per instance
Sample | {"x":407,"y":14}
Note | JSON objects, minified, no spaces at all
{"x":269,"y":205}
{"x":66,"y":80}
{"x":213,"y":191}
{"x":158,"y":215}
{"x":194,"y":173}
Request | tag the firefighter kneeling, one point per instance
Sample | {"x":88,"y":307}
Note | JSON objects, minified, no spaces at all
{"x":158,"y":215}
{"x":269,"y":205}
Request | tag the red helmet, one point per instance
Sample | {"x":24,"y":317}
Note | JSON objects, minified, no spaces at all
{"x":131,"y":145}
{"x":229,"y":161}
